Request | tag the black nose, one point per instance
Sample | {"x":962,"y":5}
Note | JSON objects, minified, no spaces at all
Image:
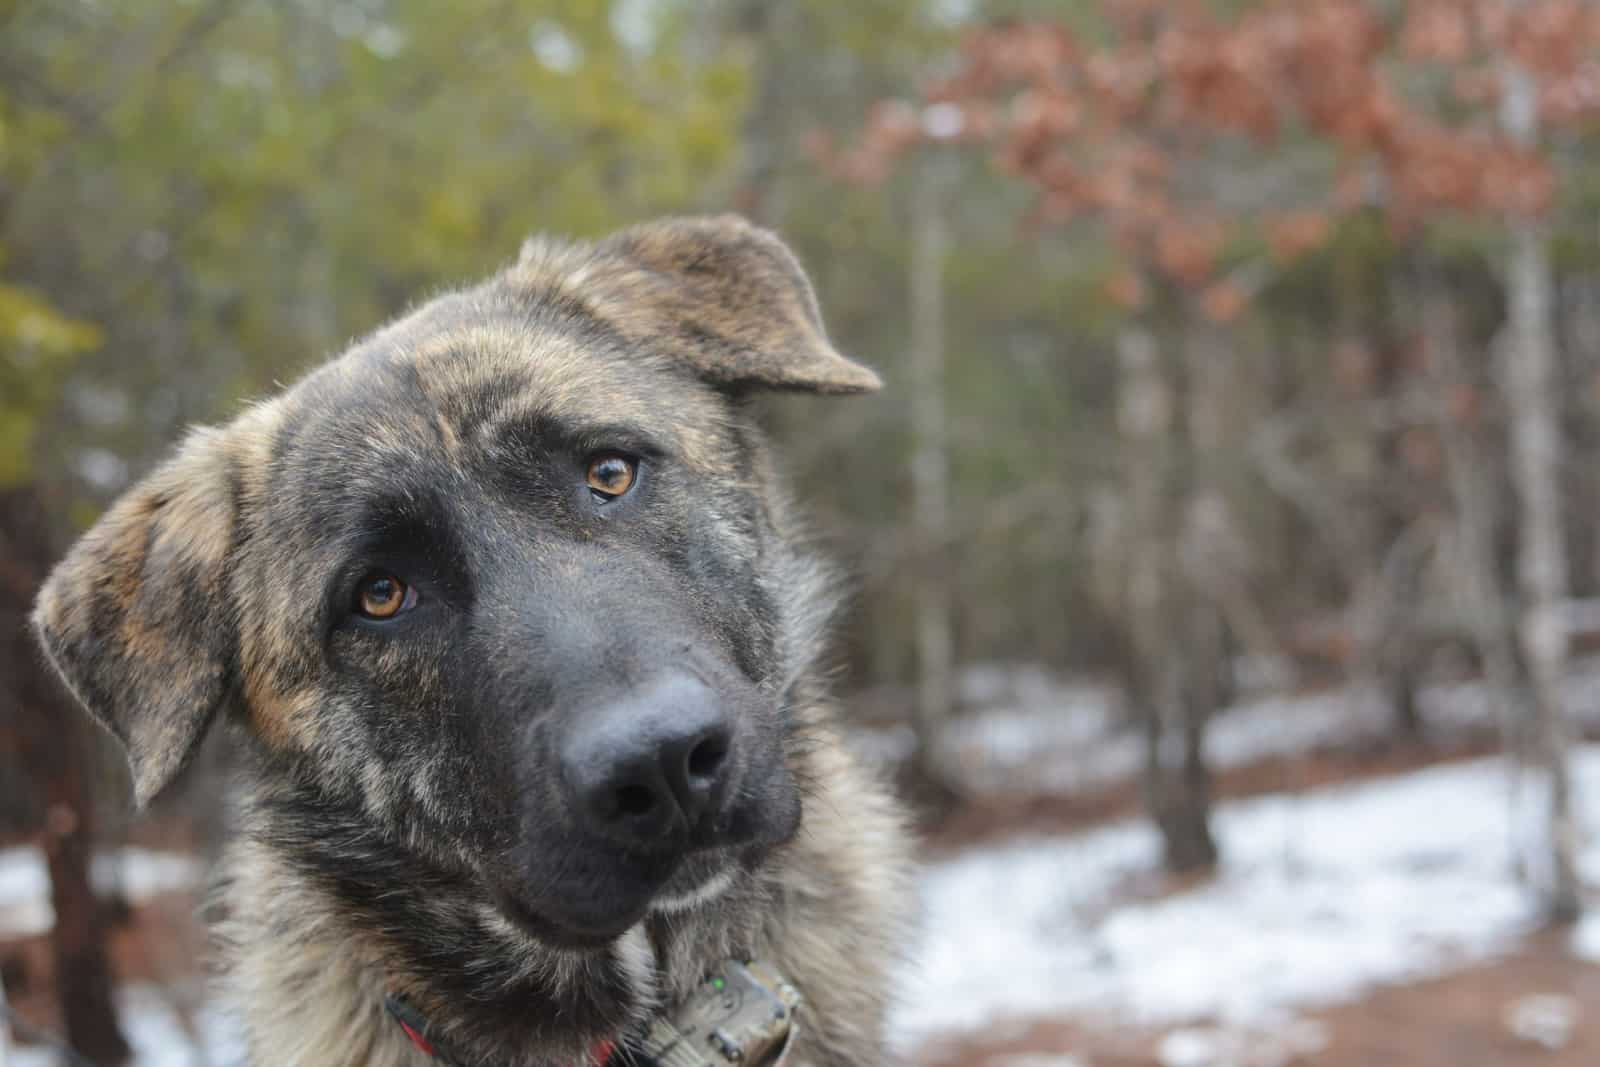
{"x":650,"y":768}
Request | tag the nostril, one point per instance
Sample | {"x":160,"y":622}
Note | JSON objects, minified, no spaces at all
{"x":705,"y":759}
{"x":635,"y":800}
{"x":653,"y":767}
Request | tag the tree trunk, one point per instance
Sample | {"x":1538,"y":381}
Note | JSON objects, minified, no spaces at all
{"x":1529,"y":373}
{"x":1484,"y":603}
{"x":83,"y":979}
{"x":50,"y":744}
{"x":1401,"y":691}
{"x":1173,"y":634}
{"x":1177,"y":784}
{"x":1383,"y":612}
{"x":765,"y":27}
{"x":930,"y":481}
{"x":1209,"y":580}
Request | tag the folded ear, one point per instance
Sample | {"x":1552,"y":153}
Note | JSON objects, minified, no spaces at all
{"x":134,"y":617}
{"x":724,"y":297}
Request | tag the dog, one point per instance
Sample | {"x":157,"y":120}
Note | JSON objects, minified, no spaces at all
{"x":521,"y":639}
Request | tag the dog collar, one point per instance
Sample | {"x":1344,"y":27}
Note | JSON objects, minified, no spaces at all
{"x":742,"y":1015}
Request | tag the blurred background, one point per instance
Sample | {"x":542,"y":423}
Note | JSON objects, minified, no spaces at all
{"x":1229,"y":579}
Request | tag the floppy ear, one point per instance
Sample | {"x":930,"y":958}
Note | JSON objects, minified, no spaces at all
{"x":724,"y":297}
{"x":134,"y":620}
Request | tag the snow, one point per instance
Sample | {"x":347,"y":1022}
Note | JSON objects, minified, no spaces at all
{"x":1544,"y":1019}
{"x":1319,"y":898}
{"x":1586,"y":938}
{"x":1211,"y":1046}
{"x":153,"y":1023}
{"x":1031,"y":733}
{"x":136,"y":872}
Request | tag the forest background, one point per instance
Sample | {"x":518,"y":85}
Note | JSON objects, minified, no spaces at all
{"x":1234,"y":348}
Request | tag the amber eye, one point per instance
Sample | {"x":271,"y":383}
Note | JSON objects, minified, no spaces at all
{"x":611,"y":475}
{"x":383,"y":596}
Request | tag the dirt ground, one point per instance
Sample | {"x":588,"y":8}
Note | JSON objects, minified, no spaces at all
{"x":1469,"y":1019}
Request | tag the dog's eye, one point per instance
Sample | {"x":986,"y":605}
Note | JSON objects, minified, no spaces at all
{"x":383,"y":596}
{"x":610,"y":475}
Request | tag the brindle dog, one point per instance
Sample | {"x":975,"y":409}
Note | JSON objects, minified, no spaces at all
{"x":521,"y":638}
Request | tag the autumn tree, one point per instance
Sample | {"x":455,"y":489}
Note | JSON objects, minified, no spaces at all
{"x":1214,"y":148}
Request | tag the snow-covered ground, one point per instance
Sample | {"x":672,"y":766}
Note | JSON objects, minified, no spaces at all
{"x":1586,"y":938}
{"x":1030,"y":733}
{"x":1320,"y":897}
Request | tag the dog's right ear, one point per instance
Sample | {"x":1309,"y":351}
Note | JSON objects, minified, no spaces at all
{"x":724,"y":298}
{"x":135,"y":620}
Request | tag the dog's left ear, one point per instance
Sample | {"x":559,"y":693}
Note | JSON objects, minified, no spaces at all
{"x":135,"y":618}
{"x":723,"y":296}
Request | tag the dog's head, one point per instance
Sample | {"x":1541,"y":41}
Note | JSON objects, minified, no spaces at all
{"x":507,"y":578}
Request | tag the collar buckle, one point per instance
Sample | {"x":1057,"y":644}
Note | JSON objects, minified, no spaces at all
{"x":743,"y":1015}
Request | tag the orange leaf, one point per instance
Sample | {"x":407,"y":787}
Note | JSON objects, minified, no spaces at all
{"x":1293,"y":235}
{"x":1223,"y":302}
{"x":1126,"y":289}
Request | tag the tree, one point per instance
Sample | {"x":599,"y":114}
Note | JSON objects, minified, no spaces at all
{"x":42,"y":739}
{"x":1530,"y":371}
{"x":48,"y":744}
{"x":930,"y":476}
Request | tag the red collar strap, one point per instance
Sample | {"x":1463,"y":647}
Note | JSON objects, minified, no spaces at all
{"x":417,"y":1029}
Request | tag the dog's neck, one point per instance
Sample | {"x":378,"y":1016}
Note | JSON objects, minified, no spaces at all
{"x":423,"y":1035}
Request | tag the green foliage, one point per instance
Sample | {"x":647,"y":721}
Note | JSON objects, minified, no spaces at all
{"x":37,"y":345}
{"x":235,"y":190}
